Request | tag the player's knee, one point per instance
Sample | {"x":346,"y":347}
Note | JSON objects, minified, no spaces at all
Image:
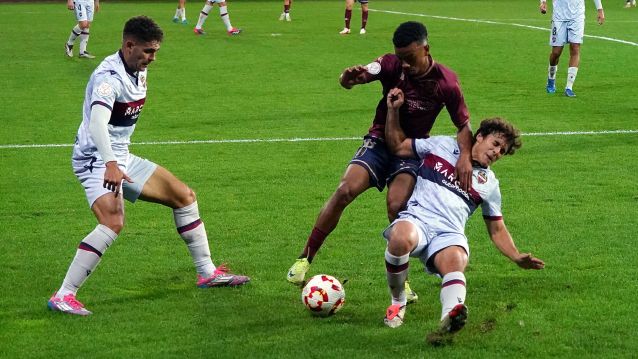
{"x":344,"y":195}
{"x":84,"y":25}
{"x":115,"y":223}
{"x":184,"y":197}
{"x":399,"y":245}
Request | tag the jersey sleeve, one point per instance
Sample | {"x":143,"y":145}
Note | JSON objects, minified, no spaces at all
{"x":491,"y":205}
{"x":422,"y":146}
{"x":382,"y":69}
{"x":106,"y":89}
{"x":455,"y":102}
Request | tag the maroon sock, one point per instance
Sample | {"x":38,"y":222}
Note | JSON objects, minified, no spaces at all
{"x":286,"y":8}
{"x":348,"y":17}
{"x":364,"y":19}
{"x":315,"y":240}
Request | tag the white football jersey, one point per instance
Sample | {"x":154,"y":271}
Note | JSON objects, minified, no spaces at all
{"x":567,"y":10}
{"x":123,"y":91}
{"x":437,"y":198}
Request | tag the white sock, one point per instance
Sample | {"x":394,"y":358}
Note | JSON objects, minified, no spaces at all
{"x":223,"y":12}
{"x":571,"y":77}
{"x":183,"y":14}
{"x":74,"y":35}
{"x":177,"y":13}
{"x":452,"y":291}
{"x":87,"y":257}
{"x":191,"y":228}
{"x":84,"y":40}
{"x":203,"y":15}
{"x":551,"y":72}
{"x":397,"y":273}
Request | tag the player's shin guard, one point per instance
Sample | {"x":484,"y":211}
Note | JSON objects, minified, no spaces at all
{"x":191,"y":228}
{"x":452,"y":291}
{"x":74,"y":35}
{"x":84,"y":40}
{"x":87,"y":257}
{"x":397,"y":273}
{"x":551,"y":72}
{"x":203,"y":15}
{"x":223,"y":12}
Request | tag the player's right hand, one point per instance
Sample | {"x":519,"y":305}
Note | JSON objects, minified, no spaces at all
{"x":113,"y":177}
{"x":543,"y":7}
{"x":395,"y":99}
{"x":69,"y":5}
{"x":351,"y":76}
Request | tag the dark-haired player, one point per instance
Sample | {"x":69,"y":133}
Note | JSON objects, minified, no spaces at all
{"x":433,"y":225}
{"x":429,"y":86}
{"x":109,"y":173}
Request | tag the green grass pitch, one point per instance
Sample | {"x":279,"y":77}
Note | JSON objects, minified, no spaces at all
{"x":570,"y":199}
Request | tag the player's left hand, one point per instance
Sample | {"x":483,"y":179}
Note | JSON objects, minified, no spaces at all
{"x":463,"y":173}
{"x":543,"y":8}
{"x":527,"y":261}
{"x":97,"y":6}
{"x":601,"y":17}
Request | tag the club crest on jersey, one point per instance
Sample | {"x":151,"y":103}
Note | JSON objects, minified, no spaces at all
{"x":373,"y":68}
{"x":143,"y":81}
{"x":481,"y":177}
{"x":105,"y":89}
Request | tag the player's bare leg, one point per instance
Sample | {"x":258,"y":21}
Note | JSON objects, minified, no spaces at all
{"x":164,"y":188}
{"x":399,"y":192}
{"x":404,"y":238}
{"x":572,"y":71}
{"x":355,"y":181}
{"x":554,"y":56}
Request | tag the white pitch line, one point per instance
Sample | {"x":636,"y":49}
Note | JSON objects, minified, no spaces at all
{"x":317,"y":139}
{"x":500,"y":23}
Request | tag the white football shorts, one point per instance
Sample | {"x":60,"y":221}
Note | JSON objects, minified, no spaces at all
{"x":90,"y":172}
{"x":567,"y":32}
{"x":83,"y":10}
{"x":430,"y":242}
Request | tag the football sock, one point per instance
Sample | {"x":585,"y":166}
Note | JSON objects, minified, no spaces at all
{"x":74,"y":35}
{"x":348,"y":17}
{"x":397,"y":274}
{"x":452,"y":291}
{"x":571,"y":77}
{"x":286,"y":8}
{"x":177,"y":13}
{"x":191,"y":228}
{"x":551,"y":72}
{"x":84,"y":40}
{"x":223,"y":12}
{"x":364,"y":19}
{"x":203,"y":15}
{"x":315,"y":240}
{"x":87,"y":257}
{"x":183,"y":13}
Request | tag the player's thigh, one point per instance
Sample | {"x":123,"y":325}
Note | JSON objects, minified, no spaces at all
{"x":558,"y":35}
{"x":374,"y":157}
{"x":401,"y":180}
{"x":354,"y":181}
{"x":83,"y":11}
{"x":448,"y":252}
{"x":164,"y":188}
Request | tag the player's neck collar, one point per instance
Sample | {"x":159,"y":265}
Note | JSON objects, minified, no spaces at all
{"x":128,"y":70}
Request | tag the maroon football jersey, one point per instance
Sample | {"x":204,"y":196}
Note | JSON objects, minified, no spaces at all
{"x":425,"y":97}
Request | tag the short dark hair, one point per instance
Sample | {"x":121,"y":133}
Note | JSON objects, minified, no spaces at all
{"x":409,"y":32}
{"x":142,"y":28}
{"x":497,"y":125}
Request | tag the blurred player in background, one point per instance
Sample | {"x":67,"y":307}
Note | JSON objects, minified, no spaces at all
{"x":568,"y":26}
{"x":223,"y":12}
{"x":630,"y":3}
{"x":286,"y":14}
{"x":364,"y":16}
{"x":432,"y":228}
{"x":429,"y":86}
{"x":109,"y":173}
{"x":84,"y":10}
{"x":180,"y":13}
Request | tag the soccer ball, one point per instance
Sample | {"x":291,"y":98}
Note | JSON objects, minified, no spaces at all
{"x":323,"y":295}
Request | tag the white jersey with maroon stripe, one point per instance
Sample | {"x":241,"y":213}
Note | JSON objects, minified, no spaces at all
{"x":116,"y":87}
{"x":438,"y":200}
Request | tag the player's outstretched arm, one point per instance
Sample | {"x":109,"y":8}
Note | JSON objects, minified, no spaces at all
{"x":504,"y":242}
{"x":351,"y":76}
{"x":394,"y":135}
{"x":463,"y":170}
{"x":69,"y":5}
